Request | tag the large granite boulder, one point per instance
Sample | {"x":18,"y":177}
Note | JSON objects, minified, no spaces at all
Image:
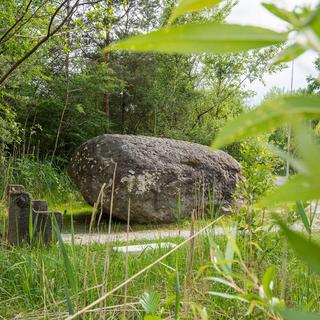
{"x":163,"y":178}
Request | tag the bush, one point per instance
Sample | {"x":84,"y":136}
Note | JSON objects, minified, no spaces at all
{"x":258,"y":165}
{"x":40,"y":178}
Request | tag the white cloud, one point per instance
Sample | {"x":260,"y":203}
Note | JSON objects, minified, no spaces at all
{"x":251,"y":12}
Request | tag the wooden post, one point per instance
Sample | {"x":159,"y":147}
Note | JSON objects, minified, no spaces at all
{"x":42,"y":220}
{"x":19,"y":215}
{"x":21,"y":209}
{"x":13,"y":188}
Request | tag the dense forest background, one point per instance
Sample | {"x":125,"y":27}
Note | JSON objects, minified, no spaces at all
{"x":59,"y":87}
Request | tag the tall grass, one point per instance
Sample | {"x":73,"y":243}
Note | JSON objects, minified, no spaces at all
{"x":34,"y":280}
{"x":41,"y":178}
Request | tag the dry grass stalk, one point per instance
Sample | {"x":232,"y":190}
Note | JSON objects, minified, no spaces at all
{"x":107,"y":260}
{"x":284,"y":263}
{"x":93,"y":216}
{"x":112,"y":197}
{"x":95,"y":208}
{"x":101,"y":211}
{"x":142,"y":271}
{"x":126,"y":263}
{"x":188,"y":280}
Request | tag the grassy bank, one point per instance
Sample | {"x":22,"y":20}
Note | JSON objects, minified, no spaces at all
{"x":36,"y":282}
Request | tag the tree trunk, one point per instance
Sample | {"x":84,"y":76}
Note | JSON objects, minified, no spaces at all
{"x":66,"y":101}
{"x":106,"y":95}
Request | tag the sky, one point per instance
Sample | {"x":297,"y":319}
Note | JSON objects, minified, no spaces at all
{"x":251,"y":12}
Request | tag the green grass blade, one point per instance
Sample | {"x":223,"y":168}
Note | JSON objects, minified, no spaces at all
{"x":231,"y":247}
{"x":177,"y":291}
{"x":72,"y":232}
{"x":303,"y":216}
{"x":202,"y":38}
{"x":188,"y":6}
{"x":266,"y":281}
{"x":68,"y":300}
{"x":67,"y":263}
{"x":308,"y":251}
{"x":227,"y":296}
{"x":222,"y":281}
{"x":30,"y":226}
{"x":270,"y":115}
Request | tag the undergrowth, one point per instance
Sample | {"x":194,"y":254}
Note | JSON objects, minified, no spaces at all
{"x":34,"y":280}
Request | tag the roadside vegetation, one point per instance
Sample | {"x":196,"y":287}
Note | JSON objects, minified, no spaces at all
{"x":71,"y":70}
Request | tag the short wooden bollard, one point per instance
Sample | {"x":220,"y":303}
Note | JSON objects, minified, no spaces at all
{"x":14,"y":188}
{"x":21,"y":209}
{"x":19,"y":215}
{"x":43,"y":221}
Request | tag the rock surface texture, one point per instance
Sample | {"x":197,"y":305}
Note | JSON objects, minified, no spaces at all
{"x":163,"y":178}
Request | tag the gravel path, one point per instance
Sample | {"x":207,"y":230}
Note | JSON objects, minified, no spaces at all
{"x":86,"y":238}
{"x":153,"y":235}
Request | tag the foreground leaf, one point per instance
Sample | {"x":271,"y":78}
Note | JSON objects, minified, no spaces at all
{"x":303,"y":216}
{"x":270,"y":115}
{"x":300,"y":187}
{"x":202,"y":38}
{"x":68,"y":300}
{"x":290,"y":53}
{"x":288,"y":314}
{"x":150,"y":302}
{"x":279,"y":12}
{"x":188,"y":6}
{"x":67,"y":263}
{"x":232,"y":247}
{"x":222,"y":281}
{"x":148,"y":317}
{"x":314,"y":21}
{"x":227,"y":296}
{"x":267,"y":281}
{"x":308,"y":251}
{"x":306,"y":185}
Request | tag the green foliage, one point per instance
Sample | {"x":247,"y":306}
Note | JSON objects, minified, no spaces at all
{"x":298,"y":315}
{"x":313,"y":82}
{"x":202,"y":38}
{"x":187,"y":6}
{"x":32,"y":277}
{"x":150,"y":304}
{"x":311,"y":256}
{"x":289,"y":110}
{"x":9,"y":128}
{"x":68,"y":267}
{"x":42,"y":179}
{"x":270,"y":115}
{"x":258,"y":164}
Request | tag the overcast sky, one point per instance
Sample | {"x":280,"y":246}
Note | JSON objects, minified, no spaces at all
{"x":251,"y":12}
